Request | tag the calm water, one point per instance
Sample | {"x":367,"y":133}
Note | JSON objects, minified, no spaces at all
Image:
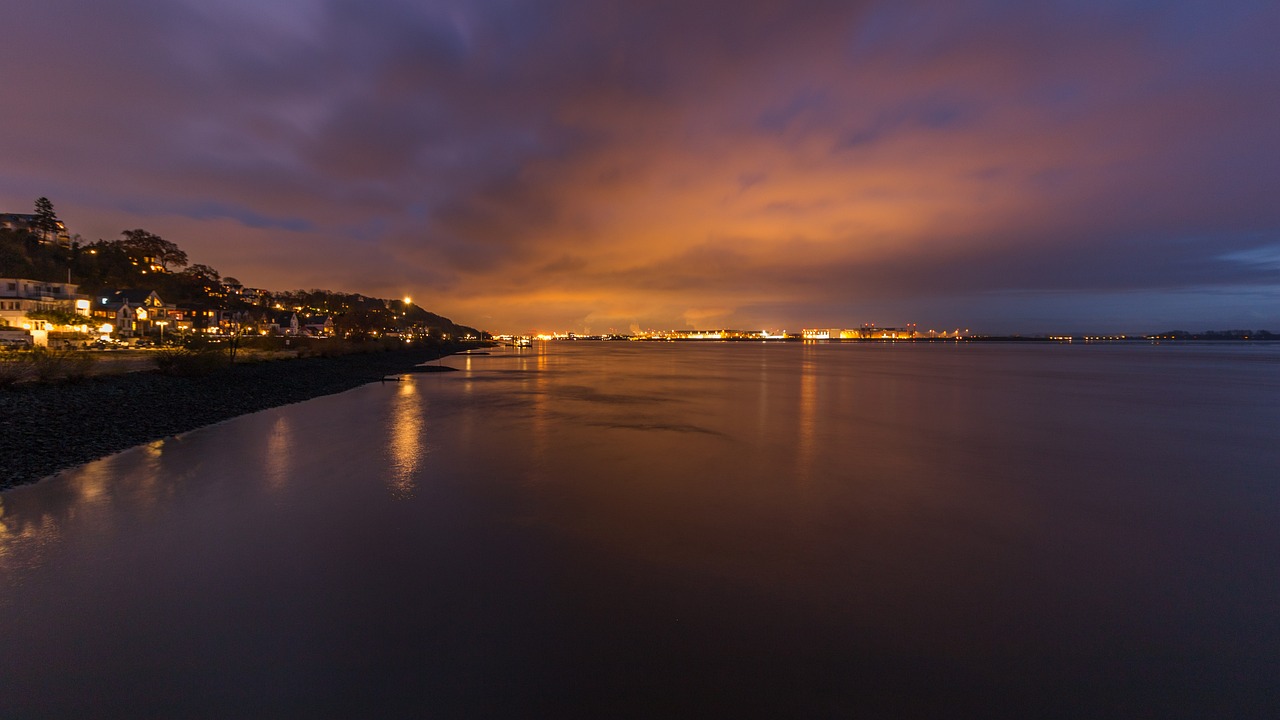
{"x":717,"y":530}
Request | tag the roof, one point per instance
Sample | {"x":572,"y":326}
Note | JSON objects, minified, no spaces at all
{"x":133,"y":296}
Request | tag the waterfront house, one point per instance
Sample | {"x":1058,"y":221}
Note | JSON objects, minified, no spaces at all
{"x":198,"y":318}
{"x":131,"y":312}
{"x":21,"y":297}
{"x":319,"y":326}
{"x":286,"y":323}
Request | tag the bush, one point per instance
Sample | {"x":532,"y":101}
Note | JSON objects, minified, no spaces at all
{"x":185,"y":362}
{"x":15,"y":366}
{"x":78,"y":364}
{"x":49,"y":364}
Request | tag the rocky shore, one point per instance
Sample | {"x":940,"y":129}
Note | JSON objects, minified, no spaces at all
{"x":49,"y":427}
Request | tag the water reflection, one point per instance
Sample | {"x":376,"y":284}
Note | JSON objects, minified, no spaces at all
{"x":406,"y":447}
{"x":808,"y":411}
{"x":279,"y":453}
{"x":31,"y":517}
{"x":537,"y":388}
{"x":961,"y":546}
{"x":24,"y":542}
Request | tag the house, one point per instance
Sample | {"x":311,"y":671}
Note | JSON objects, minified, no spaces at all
{"x":132,"y":312}
{"x":287,"y":323}
{"x":319,"y":326}
{"x":198,"y":318}
{"x":24,"y":222}
{"x":21,"y":297}
{"x":275,"y":323}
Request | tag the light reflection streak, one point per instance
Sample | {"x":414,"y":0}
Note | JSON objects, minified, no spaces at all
{"x":762,"y":420}
{"x":92,"y":481}
{"x":144,"y":476}
{"x":24,"y":542}
{"x":406,"y":447}
{"x":279,"y":453}
{"x":540,"y":409}
{"x":808,"y":412}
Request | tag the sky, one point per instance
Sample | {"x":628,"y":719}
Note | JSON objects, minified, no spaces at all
{"x":598,"y":165}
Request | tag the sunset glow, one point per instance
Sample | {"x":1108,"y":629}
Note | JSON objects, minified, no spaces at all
{"x":587,"y":166}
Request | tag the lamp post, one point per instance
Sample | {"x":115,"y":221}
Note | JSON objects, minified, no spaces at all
{"x":161,"y":324}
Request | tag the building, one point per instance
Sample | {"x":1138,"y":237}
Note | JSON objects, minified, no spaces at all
{"x":319,"y":326}
{"x":23,"y":222}
{"x":198,"y":318}
{"x":866,"y":332}
{"x":20,"y":298}
{"x":127,"y":313}
{"x":703,"y":335}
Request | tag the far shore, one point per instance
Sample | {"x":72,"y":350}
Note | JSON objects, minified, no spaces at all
{"x":51,"y":427}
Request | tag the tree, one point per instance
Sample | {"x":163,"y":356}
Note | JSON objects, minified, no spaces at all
{"x":203,"y":273}
{"x":59,"y":316}
{"x":141,"y":244}
{"x":46,"y":219}
{"x":360,"y":324}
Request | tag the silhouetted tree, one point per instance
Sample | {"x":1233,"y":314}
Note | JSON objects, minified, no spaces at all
{"x":46,"y":219}
{"x":203,"y":272}
{"x":142,"y":244}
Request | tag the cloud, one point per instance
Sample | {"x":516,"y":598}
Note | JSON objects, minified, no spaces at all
{"x":574,"y":162}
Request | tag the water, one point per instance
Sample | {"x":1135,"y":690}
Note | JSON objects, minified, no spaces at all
{"x":626,"y":529}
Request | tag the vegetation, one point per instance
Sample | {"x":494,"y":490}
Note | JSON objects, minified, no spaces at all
{"x":51,"y":364}
{"x":58,"y":316}
{"x":142,"y":260}
{"x":14,"y":368}
{"x":46,"y":219}
{"x":188,"y":362}
{"x":44,"y":365}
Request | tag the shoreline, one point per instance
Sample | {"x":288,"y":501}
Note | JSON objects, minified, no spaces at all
{"x":52,"y":427}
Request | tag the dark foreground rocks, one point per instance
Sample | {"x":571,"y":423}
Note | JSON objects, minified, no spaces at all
{"x":46,"y":428}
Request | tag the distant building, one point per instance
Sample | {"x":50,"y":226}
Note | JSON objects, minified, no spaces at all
{"x":703,"y":335}
{"x":24,"y":222}
{"x":869,"y":332}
